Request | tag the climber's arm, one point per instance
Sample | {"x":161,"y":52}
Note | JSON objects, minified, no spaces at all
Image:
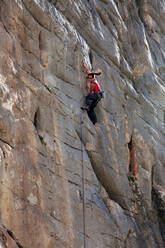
{"x":87,"y":86}
{"x":87,"y":83}
{"x":85,"y":67}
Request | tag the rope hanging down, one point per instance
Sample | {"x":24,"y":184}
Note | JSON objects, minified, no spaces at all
{"x":83,"y":188}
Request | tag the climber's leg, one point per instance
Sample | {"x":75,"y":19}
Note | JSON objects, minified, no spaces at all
{"x":91,"y":112}
{"x":90,"y":97}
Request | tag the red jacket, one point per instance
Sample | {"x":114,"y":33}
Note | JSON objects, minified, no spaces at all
{"x":94,"y":86}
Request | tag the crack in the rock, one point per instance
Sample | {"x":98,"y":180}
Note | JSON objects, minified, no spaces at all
{"x":13,"y":237}
{"x":4,"y":141}
{"x":110,"y":194}
{"x":4,"y":154}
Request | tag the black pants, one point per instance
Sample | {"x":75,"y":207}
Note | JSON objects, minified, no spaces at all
{"x":91,"y":101}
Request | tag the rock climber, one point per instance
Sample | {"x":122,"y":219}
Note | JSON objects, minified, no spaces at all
{"x":94,"y":93}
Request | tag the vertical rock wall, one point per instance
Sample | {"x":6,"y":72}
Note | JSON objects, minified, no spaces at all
{"x":42,"y":44}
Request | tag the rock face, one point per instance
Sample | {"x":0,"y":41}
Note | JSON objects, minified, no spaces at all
{"x":7,"y":238}
{"x":48,"y":147}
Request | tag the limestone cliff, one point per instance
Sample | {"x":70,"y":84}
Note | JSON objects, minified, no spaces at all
{"x":44,"y":145}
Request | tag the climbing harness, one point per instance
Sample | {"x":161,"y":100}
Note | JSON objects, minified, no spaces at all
{"x":83,"y":188}
{"x":100,"y":95}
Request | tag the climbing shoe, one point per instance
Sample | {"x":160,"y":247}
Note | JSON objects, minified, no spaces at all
{"x":85,"y":108}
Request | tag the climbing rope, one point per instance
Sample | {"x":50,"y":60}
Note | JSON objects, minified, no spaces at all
{"x":83,"y":188}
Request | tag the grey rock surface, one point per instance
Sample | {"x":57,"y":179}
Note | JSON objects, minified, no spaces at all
{"x":47,"y":142}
